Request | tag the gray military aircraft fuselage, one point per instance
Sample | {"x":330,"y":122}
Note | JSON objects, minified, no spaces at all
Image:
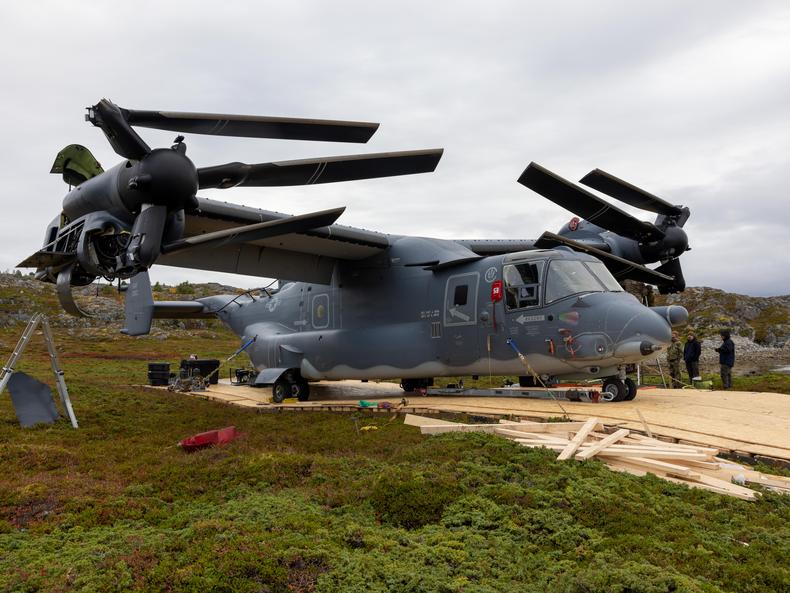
{"x":383,"y":319}
{"x":360,"y":304}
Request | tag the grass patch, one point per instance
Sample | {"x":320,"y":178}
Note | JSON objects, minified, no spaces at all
{"x":306,"y":503}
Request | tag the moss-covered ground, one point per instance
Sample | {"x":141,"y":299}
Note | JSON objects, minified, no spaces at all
{"x":306,"y":502}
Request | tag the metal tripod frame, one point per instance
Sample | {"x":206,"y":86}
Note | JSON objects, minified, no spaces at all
{"x":8,"y":369}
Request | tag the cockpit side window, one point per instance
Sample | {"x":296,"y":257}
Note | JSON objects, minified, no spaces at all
{"x":522,"y":284}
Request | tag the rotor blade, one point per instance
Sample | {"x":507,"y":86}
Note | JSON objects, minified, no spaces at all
{"x":253,"y":126}
{"x":324,"y":170}
{"x":621,"y":268}
{"x":257,"y":231}
{"x":672,"y":267}
{"x":588,"y":206}
{"x":628,"y":193}
{"x":113,"y":122}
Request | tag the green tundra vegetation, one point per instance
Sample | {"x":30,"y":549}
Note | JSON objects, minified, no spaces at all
{"x":307,"y":502}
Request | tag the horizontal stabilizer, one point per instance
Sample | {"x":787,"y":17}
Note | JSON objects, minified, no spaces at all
{"x":46,"y":259}
{"x":621,"y":268}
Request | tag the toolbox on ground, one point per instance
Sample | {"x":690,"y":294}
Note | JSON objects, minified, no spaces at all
{"x":204,"y":366}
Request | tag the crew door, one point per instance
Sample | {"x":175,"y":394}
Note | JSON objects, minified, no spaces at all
{"x":460,"y":343}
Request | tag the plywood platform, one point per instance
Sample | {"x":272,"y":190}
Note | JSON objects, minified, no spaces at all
{"x":756,"y":424}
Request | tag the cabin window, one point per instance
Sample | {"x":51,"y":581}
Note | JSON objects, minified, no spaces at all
{"x":461,"y":295}
{"x":522,"y":284}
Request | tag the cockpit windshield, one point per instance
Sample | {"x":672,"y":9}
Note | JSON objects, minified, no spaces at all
{"x":604,"y":276}
{"x":567,"y":277}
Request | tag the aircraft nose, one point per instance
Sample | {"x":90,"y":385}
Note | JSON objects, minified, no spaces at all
{"x":644,"y":333}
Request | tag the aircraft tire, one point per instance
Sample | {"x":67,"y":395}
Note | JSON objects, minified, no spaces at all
{"x":613,"y":390}
{"x":301,"y":390}
{"x":412,"y":385}
{"x":527,"y":381}
{"x":280,"y":390}
{"x":632,"y":389}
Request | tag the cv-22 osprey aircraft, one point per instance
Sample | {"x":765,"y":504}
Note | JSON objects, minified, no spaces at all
{"x":358,"y":304}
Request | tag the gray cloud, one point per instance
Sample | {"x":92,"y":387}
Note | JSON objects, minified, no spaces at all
{"x":685,"y":100}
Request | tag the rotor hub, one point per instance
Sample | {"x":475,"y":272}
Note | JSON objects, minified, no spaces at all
{"x":164,"y":177}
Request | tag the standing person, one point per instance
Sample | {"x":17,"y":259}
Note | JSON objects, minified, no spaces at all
{"x":726,"y":358}
{"x":674,"y":356}
{"x":691,"y":354}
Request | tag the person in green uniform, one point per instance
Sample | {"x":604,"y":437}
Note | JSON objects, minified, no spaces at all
{"x":674,"y":358}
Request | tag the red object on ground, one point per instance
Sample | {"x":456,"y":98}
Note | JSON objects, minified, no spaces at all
{"x":210,"y":438}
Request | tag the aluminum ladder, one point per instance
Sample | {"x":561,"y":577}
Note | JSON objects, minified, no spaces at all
{"x":39,"y":319}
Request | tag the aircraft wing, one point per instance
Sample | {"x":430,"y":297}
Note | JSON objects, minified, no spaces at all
{"x":308,"y":256}
{"x":502,"y":246}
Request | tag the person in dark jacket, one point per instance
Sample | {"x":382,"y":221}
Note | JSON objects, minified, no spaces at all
{"x":726,"y":358}
{"x":691,"y":354}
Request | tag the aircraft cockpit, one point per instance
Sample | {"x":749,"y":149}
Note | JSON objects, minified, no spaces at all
{"x":543,"y":281}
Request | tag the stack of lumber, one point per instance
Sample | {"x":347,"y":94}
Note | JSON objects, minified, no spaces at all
{"x":623,"y":450}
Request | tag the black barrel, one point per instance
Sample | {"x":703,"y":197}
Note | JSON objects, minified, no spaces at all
{"x":158,"y":373}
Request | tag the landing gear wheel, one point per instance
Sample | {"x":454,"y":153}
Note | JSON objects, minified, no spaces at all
{"x":524,"y":381}
{"x":280,"y":390}
{"x":630,"y":385}
{"x":413,"y":385}
{"x":301,"y":390}
{"x":613,"y":390}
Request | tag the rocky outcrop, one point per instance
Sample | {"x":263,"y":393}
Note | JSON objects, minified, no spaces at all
{"x":761,"y":321}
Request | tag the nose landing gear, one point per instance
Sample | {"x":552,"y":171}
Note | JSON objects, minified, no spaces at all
{"x":617,"y":390}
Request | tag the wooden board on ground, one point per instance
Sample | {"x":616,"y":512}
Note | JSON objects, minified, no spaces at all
{"x":753,"y":423}
{"x":697,"y":467}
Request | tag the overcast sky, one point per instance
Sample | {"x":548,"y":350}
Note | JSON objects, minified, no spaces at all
{"x":689,"y":100}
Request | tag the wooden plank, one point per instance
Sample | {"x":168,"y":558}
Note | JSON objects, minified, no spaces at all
{"x":734,"y":489}
{"x":517,"y":434}
{"x":608,"y":452}
{"x":544,"y":444}
{"x":644,"y":423}
{"x":751,"y":495}
{"x":561,"y":427}
{"x":561,"y":443}
{"x":686,"y":445}
{"x":455,"y":427}
{"x":672,"y":469}
{"x":415,"y":420}
{"x":588,"y":427}
{"x":602,"y":444}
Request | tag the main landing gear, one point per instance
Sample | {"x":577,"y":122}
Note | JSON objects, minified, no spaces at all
{"x":412,"y":385}
{"x":617,"y":390}
{"x":290,"y":386}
